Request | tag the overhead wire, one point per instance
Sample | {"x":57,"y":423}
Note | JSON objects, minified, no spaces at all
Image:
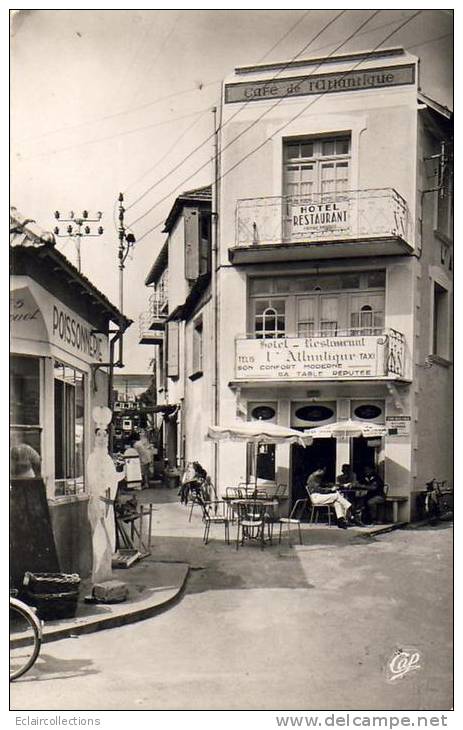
{"x":264,"y":113}
{"x":211,"y":135}
{"x":157,"y":182}
{"x":302,"y":111}
{"x":161,"y":48}
{"x":195,"y":87}
{"x":115,"y":136}
{"x":166,"y":97}
{"x":167,"y":153}
{"x":238,"y":111}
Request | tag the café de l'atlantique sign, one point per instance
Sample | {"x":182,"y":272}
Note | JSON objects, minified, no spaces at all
{"x":327,"y":83}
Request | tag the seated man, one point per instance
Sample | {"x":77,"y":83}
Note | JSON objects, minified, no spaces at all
{"x":320,"y":495}
{"x":348,"y":480}
{"x":374,"y":496}
{"x":347,"y":476}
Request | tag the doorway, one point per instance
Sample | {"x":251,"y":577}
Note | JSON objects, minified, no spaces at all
{"x":304,"y":460}
{"x":363,"y":455}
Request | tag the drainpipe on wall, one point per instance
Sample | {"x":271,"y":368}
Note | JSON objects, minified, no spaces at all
{"x":214,"y":292}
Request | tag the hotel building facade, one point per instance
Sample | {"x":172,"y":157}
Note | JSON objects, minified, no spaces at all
{"x":328,"y":293}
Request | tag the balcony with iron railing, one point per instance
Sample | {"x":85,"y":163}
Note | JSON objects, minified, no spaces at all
{"x":352,"y":223}
{"x":360,"y":354}
{"x":152,"y":322}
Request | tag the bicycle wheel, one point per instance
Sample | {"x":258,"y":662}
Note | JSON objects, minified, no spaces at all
{"x":25,"y":638}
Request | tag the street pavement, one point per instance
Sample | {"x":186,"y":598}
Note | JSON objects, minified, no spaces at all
{"x":312,"y":627}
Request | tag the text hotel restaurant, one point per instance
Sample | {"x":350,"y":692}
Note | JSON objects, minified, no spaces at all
{"x":312,"y":281}
{"x":65,"y":338}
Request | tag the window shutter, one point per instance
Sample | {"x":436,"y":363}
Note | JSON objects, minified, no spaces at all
{"x":192,"y":243}
{"x":172,"y":350}
{"x":205,"y":244}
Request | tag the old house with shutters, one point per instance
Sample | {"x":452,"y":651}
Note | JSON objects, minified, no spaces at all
{"x":177,"y":323}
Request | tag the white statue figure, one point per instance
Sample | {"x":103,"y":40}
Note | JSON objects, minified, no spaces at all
{"x":102,"y":486}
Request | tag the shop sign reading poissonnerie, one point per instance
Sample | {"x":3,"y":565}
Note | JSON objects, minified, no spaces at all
{"x":328,"y":83}
{"x":74,"y":333}
{"x":310,"y":358}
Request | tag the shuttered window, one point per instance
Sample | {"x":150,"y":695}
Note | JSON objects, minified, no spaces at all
{"x":172,"y":350}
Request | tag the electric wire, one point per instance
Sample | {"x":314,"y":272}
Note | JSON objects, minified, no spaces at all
{"x":210,"y":136}
{"x":207,"y":139}
{"x":115,"y":136}
{"x":190,"y":89}
{"x":204,"y":142}
{"x":264,"y":113}
{"x":302,"y":111}
{"x":167,"y":153}
{"x":238,"y":111}
{"x":166,"y":97}
{"x":155,"y":59}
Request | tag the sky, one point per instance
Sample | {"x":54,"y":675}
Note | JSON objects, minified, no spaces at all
{"x":110,"y":101}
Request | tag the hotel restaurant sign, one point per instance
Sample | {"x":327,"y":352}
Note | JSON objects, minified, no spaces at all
{"x":314,"y":219}
{"x":309,"y":358}
{"x":327,"y":83}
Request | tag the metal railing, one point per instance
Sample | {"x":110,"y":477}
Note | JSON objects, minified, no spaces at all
{"x":322,"y":217}
{"x":157,"y":312}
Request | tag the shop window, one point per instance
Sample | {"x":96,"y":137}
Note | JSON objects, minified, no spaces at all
{"x":269,"y":318}
{"x":69,"y":430}
{"x":198,"y":346}
{"x":316,"y":167}
{"x":25,"y":426}
{"x":440,"y":325}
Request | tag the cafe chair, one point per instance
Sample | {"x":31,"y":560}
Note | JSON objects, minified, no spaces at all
{"x":315,"y":510}
{"x":251,"y":522}
{"x":281,"y":492}
{"x":215,"y":513}
{"x":234,"y":493}
{"x":294,"y":518}
{"x":197,"y":498}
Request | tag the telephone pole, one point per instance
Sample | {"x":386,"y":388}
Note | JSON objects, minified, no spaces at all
{"x":126,"y":241}
{"x":77,"y":230}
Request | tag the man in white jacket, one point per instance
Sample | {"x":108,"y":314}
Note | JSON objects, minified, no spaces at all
{"x":321,"y":495}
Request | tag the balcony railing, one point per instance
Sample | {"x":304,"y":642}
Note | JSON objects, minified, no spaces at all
{"x":346,"y":354}
{"x":354,"y":214}
{"x":151,"y":323}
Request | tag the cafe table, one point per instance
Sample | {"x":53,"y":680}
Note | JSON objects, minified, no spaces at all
{"x":269,"y":505}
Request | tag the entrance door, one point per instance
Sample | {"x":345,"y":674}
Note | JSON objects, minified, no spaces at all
{"x":362,"y":456}
{"x":305,"y":460}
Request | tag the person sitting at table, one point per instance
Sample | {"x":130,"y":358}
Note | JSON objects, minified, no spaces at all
{"x":347,"y":480}
{"x":374,"y":496}
{"x":324,"y":495}
{"x":192,"y":481}
{"x":347,"y":476}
